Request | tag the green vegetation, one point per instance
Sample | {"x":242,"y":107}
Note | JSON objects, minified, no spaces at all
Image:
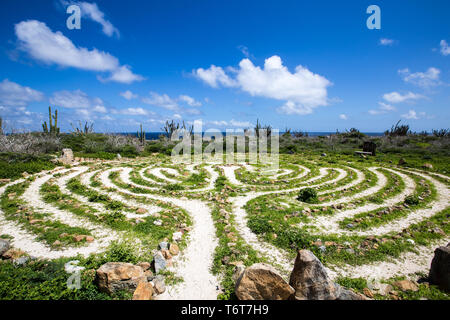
{"x":308,"y":195}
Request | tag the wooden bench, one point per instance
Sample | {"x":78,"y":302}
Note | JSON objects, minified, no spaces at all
{"x":363,"y":152}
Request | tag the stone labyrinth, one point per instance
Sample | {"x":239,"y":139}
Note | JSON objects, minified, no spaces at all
{"x":368,"y":221}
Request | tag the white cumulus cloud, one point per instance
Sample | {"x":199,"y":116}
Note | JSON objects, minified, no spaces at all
{"x":423,"y":79}
{"x":413,"y":115}
{"x":383,"y":108}
{"x":79,"y":100}
{"x":395,"y":97}
{"x":301,"y":91}
{"x":445,"y":49}
{"x":50,"y":47}
{"x":386,"y":42}
{"x":13,"y":94}
{"x":161,"y":100}
{"x":189,"y":100}
{"x":128,"y":95}
{"x":91,"y":11}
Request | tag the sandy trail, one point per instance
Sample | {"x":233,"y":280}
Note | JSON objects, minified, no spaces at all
{"x":229,"y":173}
{"x":85,"y":180}
{"x":157,"y":173}
{"x":142,"y":175}
{"x":407,"y":263}
{"x":195,"y":261}
{"x":330,"y":224}
{"x":103,"y":236}
{"x":381,"y":183}
{"x":28,"y":243}
{"x":277,"y":256}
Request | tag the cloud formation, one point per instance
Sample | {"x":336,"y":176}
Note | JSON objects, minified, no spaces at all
{"x":13,"y":94}
{"x":301,"y":91}
{"x":91,"y":11}
{"x":173,"y":104}
{"x":49,"y":47}
{"x":128,"y":95}
{"x":386,"y":42}
{"x":395,"y":97}
{"x":413,"y":115}
{"x":383,"y":108}
{"x":76,"y":100}
{"x":445,"y":49}
{"x":425,"y":79}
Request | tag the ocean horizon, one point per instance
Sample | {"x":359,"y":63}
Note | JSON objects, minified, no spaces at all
{"x":155,"y":135}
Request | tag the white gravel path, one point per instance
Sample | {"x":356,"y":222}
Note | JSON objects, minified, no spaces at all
{"x":407,"y":263}
{"x":195,"y":261}
{"x":28,"y":243}
{"x":157,"y":172}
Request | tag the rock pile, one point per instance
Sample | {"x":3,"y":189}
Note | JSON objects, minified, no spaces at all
{"x":308,"y":281}
{"x":139,"y":279}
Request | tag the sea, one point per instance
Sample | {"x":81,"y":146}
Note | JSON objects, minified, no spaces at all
{"x":155,"y":135}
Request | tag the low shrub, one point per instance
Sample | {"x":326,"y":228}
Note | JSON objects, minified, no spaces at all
{"x":308,"y":195}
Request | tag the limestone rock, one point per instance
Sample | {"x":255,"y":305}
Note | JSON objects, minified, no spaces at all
{"x":159,"y":262}
{"x":406,"y":285}
{"x":13,"y":254}
{"x":427,"y":166}
{"x":4,"y":246}
{"x":177,"y":236}
{"x":114,"y":276}
{"x":159,"y":285}
{"x":310,"y":279}
{"x":144,"y":291}
{"x":144,"y":265}
{"x":141,"y":211}
{"x":440,"y":268}
{"x":262,"y":282}
{"x":174,"y":249}
{"x":67,"y":156}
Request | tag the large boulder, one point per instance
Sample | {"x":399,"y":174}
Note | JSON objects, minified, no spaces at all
{"x":262,"y":282}
{"x":4,"y":246}
{"x":310,"y":279}
{"x":115,"y":276}
{"x":67,"y":156}
{"x":311,"y":282}
{"x":440,"y":268}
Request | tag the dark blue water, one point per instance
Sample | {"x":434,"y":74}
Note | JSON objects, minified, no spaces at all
{"x":155,"y":135}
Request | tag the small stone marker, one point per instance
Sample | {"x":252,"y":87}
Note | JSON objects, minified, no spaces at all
{"x":67,"y":156}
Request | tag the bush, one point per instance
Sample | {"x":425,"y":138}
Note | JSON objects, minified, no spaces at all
{"x":308,"y":195}
{"x":12,"y":165}
{"x":411,"y":200}
{"x":259,"y":225}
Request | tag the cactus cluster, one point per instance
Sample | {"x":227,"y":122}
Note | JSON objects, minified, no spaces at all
{"x":80,"y":129}
{"x":141,"y":136}
{"x":52,"y":126}
{"x":170,"y":127}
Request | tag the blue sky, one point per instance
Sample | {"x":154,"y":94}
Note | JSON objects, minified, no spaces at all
{"x":307,"y":65}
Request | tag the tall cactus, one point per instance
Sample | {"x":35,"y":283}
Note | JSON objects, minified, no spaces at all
{"x":1,"y":126}
{"x":53,"y":129}
{"x":141,"y":136}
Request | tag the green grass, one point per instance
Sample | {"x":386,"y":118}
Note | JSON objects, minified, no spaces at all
{"x":13,"y":165}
